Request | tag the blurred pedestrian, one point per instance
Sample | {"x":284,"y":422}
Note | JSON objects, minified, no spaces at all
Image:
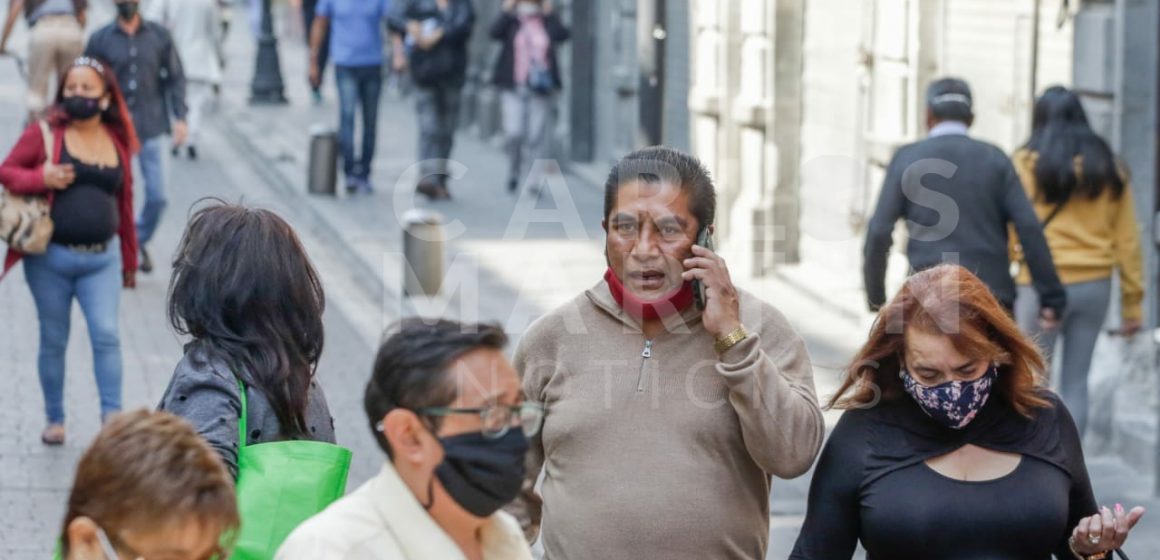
{"x":196,"y":27}
{"x":146,"y":62}
{"x":529,"y":77}
{"x":149,"y":487}
{"x":353,"y":29}
{"x":944,"y":417}
{"x":958,"y":196}
{"x":57,"y":38}
{"x":1085,"y":204}
{"x":665,"y":417}
{"x":93,"y":253}
{"x":433,"y":35}
{"x":246,"y":292}
{"x":309,"y":9}
{"x":445,"y":406}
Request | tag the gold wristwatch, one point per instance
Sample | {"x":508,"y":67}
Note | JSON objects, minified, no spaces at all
{"x":730,"y":340}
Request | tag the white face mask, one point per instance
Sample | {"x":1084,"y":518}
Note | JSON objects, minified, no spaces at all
{"x":527,"y":9}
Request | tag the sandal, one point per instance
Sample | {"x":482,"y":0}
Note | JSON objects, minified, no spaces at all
{"x":53,"y":435}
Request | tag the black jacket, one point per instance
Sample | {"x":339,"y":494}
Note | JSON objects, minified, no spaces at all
{"x":957,"y":196}
{"x":450,"y":53}
{"x":504,"y":28}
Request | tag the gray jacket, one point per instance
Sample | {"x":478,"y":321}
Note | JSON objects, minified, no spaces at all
{"x":204,"y":392}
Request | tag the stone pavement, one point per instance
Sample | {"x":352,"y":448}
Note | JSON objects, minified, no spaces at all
{"x":35,"y":480}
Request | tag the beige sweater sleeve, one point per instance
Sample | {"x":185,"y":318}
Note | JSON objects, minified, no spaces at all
{"x":528,"y":506}
{"x":772,"y":390}
{"x":1128,"y":257}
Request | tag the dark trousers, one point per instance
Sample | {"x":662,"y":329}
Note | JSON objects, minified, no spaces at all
{"x":438,"y":112}
{"x":308,"y":7}
{"x":358,"y":86}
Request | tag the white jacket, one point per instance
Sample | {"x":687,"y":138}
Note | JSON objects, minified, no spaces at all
{"x":382,"y":520}
{"x":196,"y":26}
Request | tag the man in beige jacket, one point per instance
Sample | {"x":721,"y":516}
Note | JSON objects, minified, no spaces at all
{"x":445,"y":405}
{"x":664,"y":422}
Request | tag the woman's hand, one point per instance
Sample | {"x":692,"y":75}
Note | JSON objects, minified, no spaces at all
{"x":129,"y":279}
{"x":1104,"y":531}
{"x":509,"y":5}
{"x":1129,"y":327}
{"x":59,"y":177}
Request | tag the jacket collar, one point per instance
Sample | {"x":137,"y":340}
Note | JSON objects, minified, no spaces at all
{"x":417,"y":534}
{"x":601,"y":297}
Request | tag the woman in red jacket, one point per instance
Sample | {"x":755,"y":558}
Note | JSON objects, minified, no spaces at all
{"x":88,"y":182}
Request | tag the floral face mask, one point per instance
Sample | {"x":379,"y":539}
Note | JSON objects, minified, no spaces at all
{"x":954,"y":403}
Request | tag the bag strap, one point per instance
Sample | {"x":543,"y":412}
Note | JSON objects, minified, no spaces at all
{"x":46,"y":134}
{"x":1054,"y":212}
{"x":242,"y":419}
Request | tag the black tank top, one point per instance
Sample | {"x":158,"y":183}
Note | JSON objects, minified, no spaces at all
{"x":87,"y":211}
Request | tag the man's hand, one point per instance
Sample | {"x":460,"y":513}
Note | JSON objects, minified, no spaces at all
{"x":1048,"y":320}
{"x":315,"y":75}
{"x":399,"y":61}
{"x":722,"y":313}
{"x":414,"y":28}
{"x":180,"y":133}
{"x":428,"y":41}
{"x":59,"y":177}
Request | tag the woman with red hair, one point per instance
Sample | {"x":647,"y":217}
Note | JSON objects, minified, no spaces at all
{"x":949,"y":446}
{"x":88,"y":183}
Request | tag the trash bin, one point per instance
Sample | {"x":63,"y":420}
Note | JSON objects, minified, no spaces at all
{"x":322,"y":176}
{"x":423,"y":252}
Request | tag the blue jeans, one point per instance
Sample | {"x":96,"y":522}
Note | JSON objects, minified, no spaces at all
{"x":94,"y":279}
{"x":358,"y":85}
{"x":153,"y":171}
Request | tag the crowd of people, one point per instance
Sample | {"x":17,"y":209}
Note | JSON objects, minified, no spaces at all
{"x":644,"y":418}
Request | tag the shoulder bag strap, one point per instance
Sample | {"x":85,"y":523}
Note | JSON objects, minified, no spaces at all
{"x":46,"y":134}
{"x":1054,"y":212}
{"x":242,"y":438}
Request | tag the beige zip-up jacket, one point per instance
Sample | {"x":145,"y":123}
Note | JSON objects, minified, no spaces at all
{"x":661,"y":448}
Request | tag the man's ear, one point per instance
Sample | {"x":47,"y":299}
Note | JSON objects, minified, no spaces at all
{"x":82,"y":538}
{"x":405,"y":432}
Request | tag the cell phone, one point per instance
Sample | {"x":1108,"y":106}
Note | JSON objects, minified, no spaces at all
{"x":705,"y":240}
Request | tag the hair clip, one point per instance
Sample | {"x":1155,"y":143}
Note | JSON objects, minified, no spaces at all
{"x":91,"y":63}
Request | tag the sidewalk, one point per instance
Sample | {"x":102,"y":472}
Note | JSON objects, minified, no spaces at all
{"x":513,"y":277}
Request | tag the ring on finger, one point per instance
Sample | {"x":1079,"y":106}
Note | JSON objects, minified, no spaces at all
{"x":1094,"y":538}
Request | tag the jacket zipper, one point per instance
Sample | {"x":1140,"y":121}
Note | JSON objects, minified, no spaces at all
{"x":646,"y":354}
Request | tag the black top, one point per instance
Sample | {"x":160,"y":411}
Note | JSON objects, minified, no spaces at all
{"x":958,"y":195}
{"x":149,"y":72}
{"x":87,"y":211}
{"x":872,"y":485}
{"x":504,"y":28}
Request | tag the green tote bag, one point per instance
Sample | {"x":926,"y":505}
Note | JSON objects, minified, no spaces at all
{"x":280,"y":485}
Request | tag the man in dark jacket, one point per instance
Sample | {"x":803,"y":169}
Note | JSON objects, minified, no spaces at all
{"x":434,"y":35}
{"x":151,"y":76}
{"x":958,"y":196}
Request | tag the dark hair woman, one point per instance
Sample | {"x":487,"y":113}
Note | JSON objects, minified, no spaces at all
{"x":93,"y":253}
{"x":246,"y":292}
{"x":148,"y":487}
{"x":944,"y":419}
{"x":1085,"y":204}
{"x":528,"y":76}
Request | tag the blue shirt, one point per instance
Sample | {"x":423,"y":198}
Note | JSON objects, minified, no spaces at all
{"x":356,"y":34}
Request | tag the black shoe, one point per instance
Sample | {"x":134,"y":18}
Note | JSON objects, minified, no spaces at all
{"x":429,"y":189}
{"x":176,"y":151}
{"x":146,"y":264}
{"x":192,"y":150}
{"x":513,"y":184}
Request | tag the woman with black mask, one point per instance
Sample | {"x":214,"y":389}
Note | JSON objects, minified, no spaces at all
{"x":246,"y":292}
{"x":445,"y":405}
{"x":78,"y":160}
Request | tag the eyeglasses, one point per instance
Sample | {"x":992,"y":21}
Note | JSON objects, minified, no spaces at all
{"x":497,"y":418}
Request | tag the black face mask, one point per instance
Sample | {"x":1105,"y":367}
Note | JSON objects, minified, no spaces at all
{"x":127,"y":10}
{"x":481,"y":474}
{"x":80,"y":107}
